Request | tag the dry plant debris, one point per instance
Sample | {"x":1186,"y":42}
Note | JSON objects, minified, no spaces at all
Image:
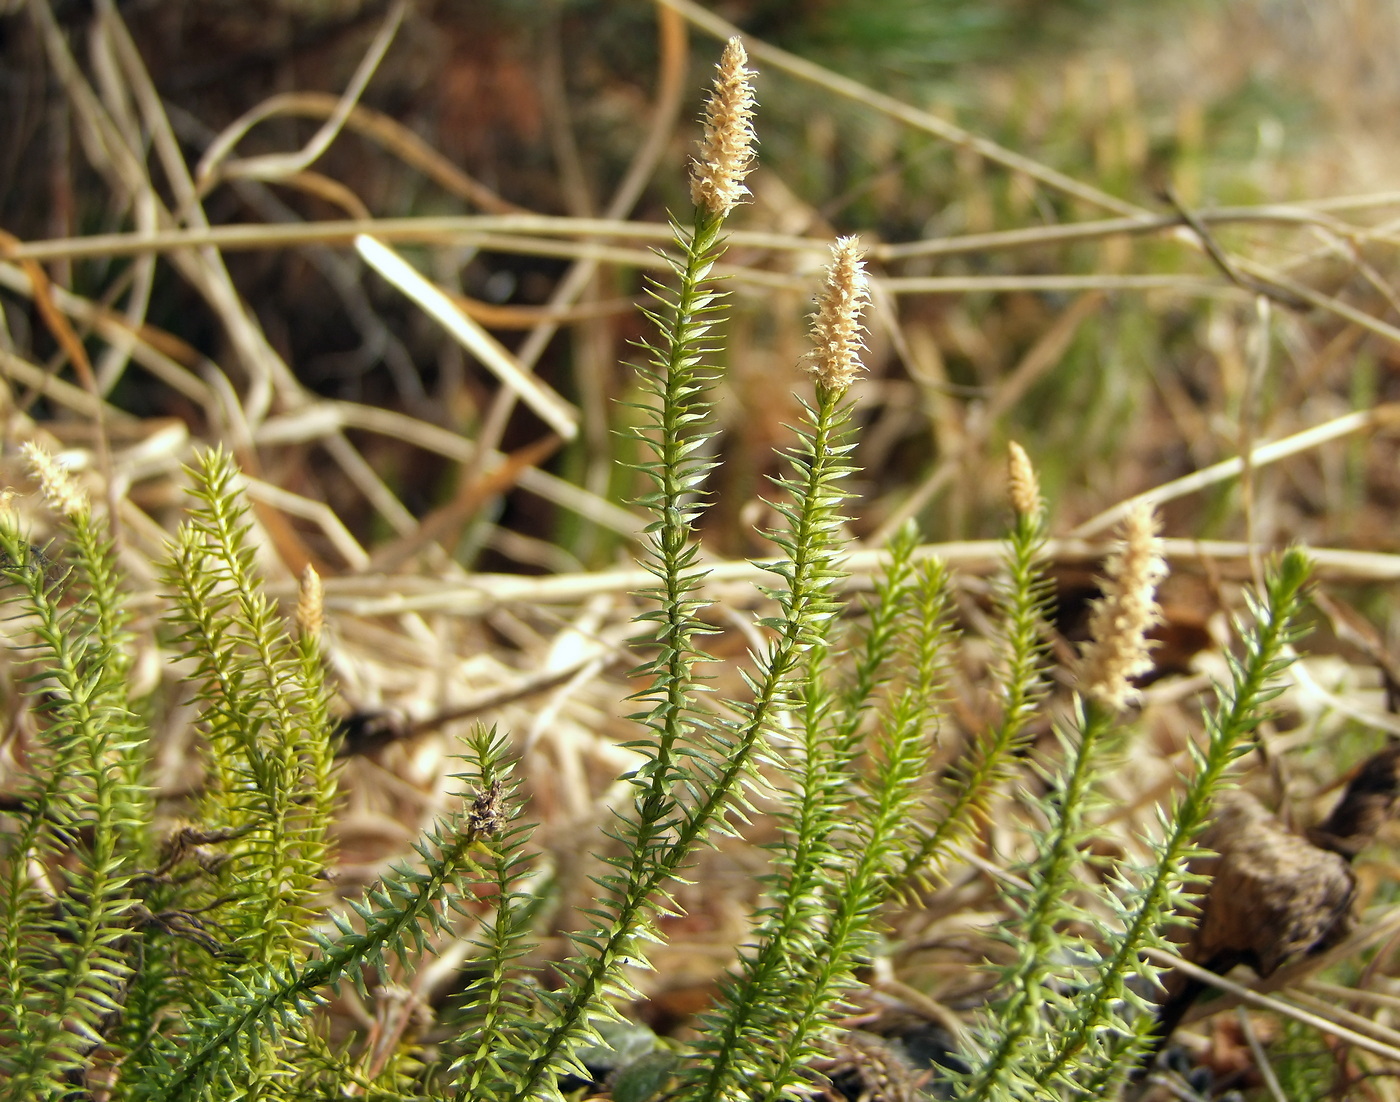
{"x":1272,"y":894}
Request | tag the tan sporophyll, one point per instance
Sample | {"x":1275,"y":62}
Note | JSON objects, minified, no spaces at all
{"x":1119,"y":649}
{"x":311,"y":600}
{"x":59,"y":488}
{"x":1023,"y":487}
{"x":837,"y":332}
{"x":726,"y":150}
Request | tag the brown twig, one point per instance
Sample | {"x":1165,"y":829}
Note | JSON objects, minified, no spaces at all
{"x":1221,"y":259}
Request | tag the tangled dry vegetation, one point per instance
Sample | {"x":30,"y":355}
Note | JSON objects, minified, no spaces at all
{"x":416,"y":350}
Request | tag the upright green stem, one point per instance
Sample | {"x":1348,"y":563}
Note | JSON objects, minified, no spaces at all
{"x":291,"y":988}
{"x":677,"y":474}
{"x":1020,"y":1016}
{"x":91,"y":730}
{"x":973,"y":786}
{"x":1227,"y":730}
{"x":807,"y":573}
{"x":814,"y":508}
{"x":861,"y":881}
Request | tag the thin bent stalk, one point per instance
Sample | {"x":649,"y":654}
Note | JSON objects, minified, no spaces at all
{"x":969,"y":795}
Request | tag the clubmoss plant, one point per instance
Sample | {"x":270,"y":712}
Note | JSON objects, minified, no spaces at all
{"x":1022,"y":601}
{"x":830,"y":875}
{"x":1044,"y":953}
{"x":1069,"y":1019}
{"x":156,"y":955}
{"x":64,"y":944}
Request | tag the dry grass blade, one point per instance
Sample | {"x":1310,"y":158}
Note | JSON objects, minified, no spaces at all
{"x":481,"y":592}
{"x":444,"y":525}
{"x":428,"y":229}
{"x":41,"y":381}
{"x":204,"y":268}
{"x":295,"y":556}
{"x":1250,"y":997}
{"x":1261,"y":1060}
{"x":388,"y":132}
{"x":552,"y":409}
{"x":1041,"y":358}
{"x":962,"y":285}
{"x":215,"y":165}
{"x":1345,"y":1017}
{"x":1380,"y":417}
{"x":165,"y":357}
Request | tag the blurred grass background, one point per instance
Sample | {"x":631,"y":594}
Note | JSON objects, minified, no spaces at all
{"x":544,"y":104}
